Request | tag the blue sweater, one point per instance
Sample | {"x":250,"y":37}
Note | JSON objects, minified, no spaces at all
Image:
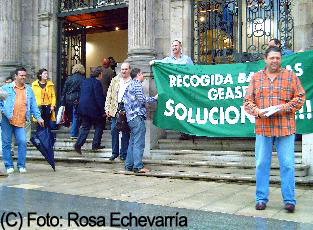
{"x":7,"y":105}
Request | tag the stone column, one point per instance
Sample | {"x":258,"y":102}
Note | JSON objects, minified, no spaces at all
{"x":141,"y":39}
{"x":141,"y":50}
{"x":47,"y":40}
{"x":10,"y":36}
{"x":303,"y":20}
{"x":180,"y":24}
{"x":303,"y":32}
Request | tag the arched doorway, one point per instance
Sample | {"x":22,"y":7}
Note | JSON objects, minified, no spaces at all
{"x":86,"y":33}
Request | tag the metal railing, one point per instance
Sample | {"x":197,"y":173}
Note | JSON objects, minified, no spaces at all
{"x":239,"y":30}
{"x":76,"y":5}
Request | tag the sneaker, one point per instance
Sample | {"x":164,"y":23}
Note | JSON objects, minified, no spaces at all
{"x":73,"y":138}
{"x":260,"y":206}
{"x":22,"y":170}
{"x":290,"y":207}
{"x":77,"y":149}
{"x":10,"y":170}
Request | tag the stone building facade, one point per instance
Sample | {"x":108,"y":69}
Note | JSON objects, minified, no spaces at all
{"x":29,"y":36}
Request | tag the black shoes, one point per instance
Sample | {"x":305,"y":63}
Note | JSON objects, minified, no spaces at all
{"x":99,"y":147}
{"x":112,"y":158}
{"x":122,"y":158}
{"x":260,"y":206}
{"x":290,"y":207}
{"x":77,"y":149}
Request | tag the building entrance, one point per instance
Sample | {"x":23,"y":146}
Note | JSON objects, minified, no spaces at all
{"x":88,"y":32}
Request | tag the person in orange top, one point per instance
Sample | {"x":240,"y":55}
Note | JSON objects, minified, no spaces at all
{"x":274,"y":86}
{"x":45,"y":96}
{"x":16,"y":108}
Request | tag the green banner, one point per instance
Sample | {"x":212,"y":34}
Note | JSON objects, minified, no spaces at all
{"x":206,"y":100}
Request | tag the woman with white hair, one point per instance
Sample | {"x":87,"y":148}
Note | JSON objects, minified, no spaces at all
{"x":70,"y":97}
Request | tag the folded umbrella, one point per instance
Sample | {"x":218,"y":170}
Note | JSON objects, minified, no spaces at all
{"x":43,"y":139}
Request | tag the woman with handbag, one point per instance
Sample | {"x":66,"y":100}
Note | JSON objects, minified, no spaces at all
{"x":43,"y":89}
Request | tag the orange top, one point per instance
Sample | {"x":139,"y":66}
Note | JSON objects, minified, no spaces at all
{"x":19,"y":112}
{"x":282,"y":89}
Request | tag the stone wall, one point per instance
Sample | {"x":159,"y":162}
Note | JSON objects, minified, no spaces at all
{"x":303,"y":24}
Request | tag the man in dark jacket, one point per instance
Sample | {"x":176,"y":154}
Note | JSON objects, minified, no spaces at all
{"x":91,"y":110}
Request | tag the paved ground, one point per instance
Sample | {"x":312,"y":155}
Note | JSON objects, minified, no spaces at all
{"x":75,"y":192}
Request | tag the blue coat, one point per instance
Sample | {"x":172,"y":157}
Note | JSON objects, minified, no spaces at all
{"x":91,"y":101}
{"x":7,"y":105}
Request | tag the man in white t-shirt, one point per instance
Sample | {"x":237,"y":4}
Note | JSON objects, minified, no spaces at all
{"x":114,"y":98}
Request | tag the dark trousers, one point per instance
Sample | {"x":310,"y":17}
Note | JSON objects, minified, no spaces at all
{"x":87,"y":122}
{"x":115,"y":141}
{"x":45,"y":111}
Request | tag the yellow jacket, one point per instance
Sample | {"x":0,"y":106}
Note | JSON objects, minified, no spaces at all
{"x":49,"y":99}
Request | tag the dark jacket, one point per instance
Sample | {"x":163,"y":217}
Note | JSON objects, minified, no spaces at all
{"x":71,"y":89}
{"x":91,"y":101}
{"x":106,"y":80}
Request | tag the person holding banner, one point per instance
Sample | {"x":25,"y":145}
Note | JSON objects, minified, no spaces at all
{"x":177,"y":57}
{"x":273,"y":97}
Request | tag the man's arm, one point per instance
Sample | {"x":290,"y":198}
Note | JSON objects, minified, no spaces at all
{"x":189,"y":61}
{"x":249,"y":101}
{"x":298,"y":100}
{"x":140,"y":94}
{"x":3,"y":94}
{"x":98,"y":92}
{"x":34,"y":109}
{"x":108,"y":99}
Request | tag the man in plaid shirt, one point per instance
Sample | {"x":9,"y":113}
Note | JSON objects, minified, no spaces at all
{"x":274,"y":86}
{"x":135,"y":106}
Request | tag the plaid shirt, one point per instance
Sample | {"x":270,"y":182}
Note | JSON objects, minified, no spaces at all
{"x":286,"y":90}
{"x":135,"y":100}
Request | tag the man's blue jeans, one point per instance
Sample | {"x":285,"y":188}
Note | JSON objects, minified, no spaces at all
{"x":74,"y":131}
{"x":263,"y":155}
{"x":20,"y":137}
{"x":115,"y":141}
{"x":136,"y":143}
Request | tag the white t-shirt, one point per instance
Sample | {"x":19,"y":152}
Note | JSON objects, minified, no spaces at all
{"x":123,"y":86}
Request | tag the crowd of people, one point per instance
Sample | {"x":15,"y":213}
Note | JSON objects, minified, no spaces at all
{"x":91,"y":101}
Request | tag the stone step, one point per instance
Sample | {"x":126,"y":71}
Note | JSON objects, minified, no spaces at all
{"x":238,"y":174}
{"x":70,"y":142}
{"x":104,"y":154}
{"x":223,"y":144}
{"x":64,"y":134}
{"x":218,"y":156}
{"x":216,"y":176}
{"x":69,"y":152}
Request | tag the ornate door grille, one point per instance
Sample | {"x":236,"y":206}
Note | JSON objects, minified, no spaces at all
{"x":72,"y":49}
{"x":239,"y":30}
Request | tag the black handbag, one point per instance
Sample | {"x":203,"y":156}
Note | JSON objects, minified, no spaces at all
{"x":121,"y":120}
